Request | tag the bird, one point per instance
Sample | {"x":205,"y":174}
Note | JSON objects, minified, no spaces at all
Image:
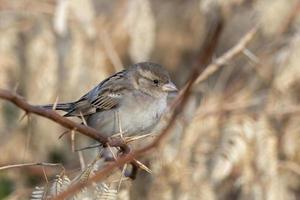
{"x":132,"y":100}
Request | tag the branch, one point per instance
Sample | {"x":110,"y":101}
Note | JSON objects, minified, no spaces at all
{"x":231,"y":53}
{"x":65,"y":122}
{"x":52,"y":115}
{"x":180,"y":103}
{"x":32,"y":164}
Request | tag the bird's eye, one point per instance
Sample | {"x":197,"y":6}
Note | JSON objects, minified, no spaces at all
{"x":155,"y":81}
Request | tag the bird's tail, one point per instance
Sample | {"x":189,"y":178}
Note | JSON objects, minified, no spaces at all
{"x":60,"y":106}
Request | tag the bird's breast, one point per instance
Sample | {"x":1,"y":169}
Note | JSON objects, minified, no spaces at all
{"x":135,"y":115}
{"x":141,"y":114}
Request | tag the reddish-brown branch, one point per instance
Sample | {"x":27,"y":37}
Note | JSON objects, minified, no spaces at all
{"x":134,"y":154}
{"x":179,"y":104}
{"x":65,"y":122}
{"x":52,"y":115}
{"x":131,"y":155}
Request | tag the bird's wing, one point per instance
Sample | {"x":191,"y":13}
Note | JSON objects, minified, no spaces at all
{"x":105,"y":96}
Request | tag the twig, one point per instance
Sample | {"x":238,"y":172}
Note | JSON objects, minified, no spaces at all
{"x":63,"y":134}
{"x":45,"y":175}
{"x":81,"y":160}
{"x":28,"y":136}
{"x":23,"y":116}
{"x":180,"y":103}
{"x":32,"y":164}
{"x":83,"y":119}
{"x":52,"y":115}
{"x":139,"y":137}
{"x":111,"y":151}
{"x":55,"y":103}
{"x":142,"y":166}
{"x":129,"y":156}
{"x":250,"y":55}
{"x":121,"y":178}
{"x":73,"y":140}
{"x":118,"y":119}
{"x":231,"y":53}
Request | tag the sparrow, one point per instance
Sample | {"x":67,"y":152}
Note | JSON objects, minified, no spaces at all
{"x":132,"y":100}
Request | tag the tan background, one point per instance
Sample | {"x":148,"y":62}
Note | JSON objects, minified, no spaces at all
{"x":51,"y":49}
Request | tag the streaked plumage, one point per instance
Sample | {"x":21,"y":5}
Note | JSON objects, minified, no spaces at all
{"x":134,"y":99}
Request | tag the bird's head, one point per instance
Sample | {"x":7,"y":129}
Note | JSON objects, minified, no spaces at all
{"x":152,"y":79}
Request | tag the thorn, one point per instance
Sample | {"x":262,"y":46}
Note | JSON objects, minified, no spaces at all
{"x":142,"y":166}
{"x":73,"y":140}
{"x":15,"y":89}
{"x":55,"y":103}
{"x":250,"y":55}
{"x":134,"y":138}
{"x":120,"y":126}
{"x":122,"y":175}
{"x":23,"y":116}
{"x":45,"y":175}
{"x":111,"y":151}
{"x":64,"y":133}
{"x":83,"y":120}
{"x":81,"y":160}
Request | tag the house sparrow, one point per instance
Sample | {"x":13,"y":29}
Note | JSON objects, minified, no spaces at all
{"x":133,"y":99}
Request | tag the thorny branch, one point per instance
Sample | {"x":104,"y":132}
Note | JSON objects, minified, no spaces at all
{"x":52,"y":115}
{"x":69,"y":124}
{"x":180,"y":103}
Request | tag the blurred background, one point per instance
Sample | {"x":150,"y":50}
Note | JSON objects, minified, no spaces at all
{"x":239,"y":136}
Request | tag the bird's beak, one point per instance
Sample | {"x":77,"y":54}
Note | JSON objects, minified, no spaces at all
{"x":169,"y":87}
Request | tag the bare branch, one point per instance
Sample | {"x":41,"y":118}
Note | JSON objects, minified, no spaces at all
{"x":179,"y":103}
{"x":32,"y":164}
{"x":129,"y":155}
{"x":52,"y":115}
{"x":231,"y":53}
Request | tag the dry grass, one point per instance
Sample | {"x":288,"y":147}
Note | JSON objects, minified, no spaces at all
{"x":238,"y":138}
